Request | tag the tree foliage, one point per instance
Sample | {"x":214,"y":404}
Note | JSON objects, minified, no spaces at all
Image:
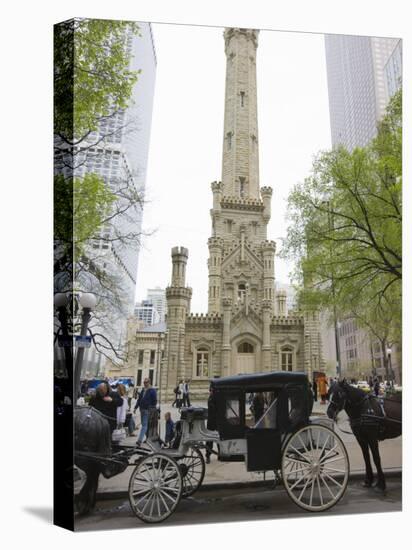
{"x":92,"y":76}
{"x":345,"y":231}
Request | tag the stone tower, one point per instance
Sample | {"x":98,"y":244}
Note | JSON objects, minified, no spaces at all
{"x":178,"y":298}
{"x":241,"y":259}
{"x":247,"y":327}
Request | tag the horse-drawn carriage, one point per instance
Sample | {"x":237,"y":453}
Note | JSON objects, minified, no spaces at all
{"x":303,"y":451}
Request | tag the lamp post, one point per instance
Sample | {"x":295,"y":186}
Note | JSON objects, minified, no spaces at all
{"x":88,"y":302}
{"x":61,"y":301}
{"x":388,"y":354}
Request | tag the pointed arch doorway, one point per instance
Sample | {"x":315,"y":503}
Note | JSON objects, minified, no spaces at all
{"x":245,"y":358}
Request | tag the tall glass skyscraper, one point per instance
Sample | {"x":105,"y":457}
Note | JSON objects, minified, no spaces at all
{"x":358,"y":92}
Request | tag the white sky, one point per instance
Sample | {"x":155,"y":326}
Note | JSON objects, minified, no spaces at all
{"x":187,"y":135}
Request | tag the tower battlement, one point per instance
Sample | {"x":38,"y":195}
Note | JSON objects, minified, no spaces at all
{"x":180,"y":251}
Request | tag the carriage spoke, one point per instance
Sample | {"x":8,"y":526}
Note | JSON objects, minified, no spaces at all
{"x":324,"y":457}
{"x":340,"y":485}
{"x":304,"y":488}
{"x":327,"y":487}
{"x":311,"y":492}
{"x":301,"y":454}
{"x":333,"y":470}
{"x":164,"y":502}
{"x":320,"y":490}
{"x":330,"y":460}
{"x":303,"y":443}
{"x":302,"y":478}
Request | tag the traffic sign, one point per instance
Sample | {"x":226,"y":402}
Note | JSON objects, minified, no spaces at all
{"x":83,"y":341}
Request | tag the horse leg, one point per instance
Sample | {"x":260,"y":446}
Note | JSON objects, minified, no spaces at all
{"x":86,"y":499}
{"x":365,"y":451}
{"x":374,"y":446}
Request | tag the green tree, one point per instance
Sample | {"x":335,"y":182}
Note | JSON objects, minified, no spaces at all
{"x":346,"y":224}
{"x":92,"y":79}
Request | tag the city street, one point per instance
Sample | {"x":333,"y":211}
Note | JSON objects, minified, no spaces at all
{"x":244,"y":504}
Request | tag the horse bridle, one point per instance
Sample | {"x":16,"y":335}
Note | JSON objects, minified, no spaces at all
{"x":335,"y":405}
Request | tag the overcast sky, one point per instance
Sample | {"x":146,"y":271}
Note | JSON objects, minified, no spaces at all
{"x":187,"y":135}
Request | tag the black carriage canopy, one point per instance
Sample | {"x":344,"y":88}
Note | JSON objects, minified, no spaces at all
{"x":261,"y":381}
{"x":289,"y":401}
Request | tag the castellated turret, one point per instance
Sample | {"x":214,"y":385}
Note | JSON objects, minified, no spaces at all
{"x":266,"y":194}
{"x":215,"y":273}
{"x":268,"y":255}
{"x":281,"y":302}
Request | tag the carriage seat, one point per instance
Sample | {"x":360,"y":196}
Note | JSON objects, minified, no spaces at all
{"x":193,"y":413}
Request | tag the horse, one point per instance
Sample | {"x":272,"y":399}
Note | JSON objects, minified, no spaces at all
{"x":92,"y":441}
{"x":369,"y":424}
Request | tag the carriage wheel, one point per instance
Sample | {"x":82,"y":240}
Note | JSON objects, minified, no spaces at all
{"x":155,"y":488}
{"x":192,"y":467}
{"x":315,"y":468}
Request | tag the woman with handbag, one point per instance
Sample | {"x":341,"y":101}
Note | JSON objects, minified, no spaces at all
{"x":122,"y":409}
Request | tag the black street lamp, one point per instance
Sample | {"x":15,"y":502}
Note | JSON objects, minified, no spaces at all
{"x":388,"y":354}
{"x":67,"y":307}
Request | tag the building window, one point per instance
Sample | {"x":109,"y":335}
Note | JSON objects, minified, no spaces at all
{"x":241,"y":293}
{"x":245,"y":347}
{"x":139,"y":378}
{"x":202,"y":362}
{"x":141,"y":353}
{"x":152,"y":356}
{"x":242,"y":99}
{"x":242,"y":186}
{"x":151,"y":376}
{"x":286,"y":358}
{"x":229,"y":140}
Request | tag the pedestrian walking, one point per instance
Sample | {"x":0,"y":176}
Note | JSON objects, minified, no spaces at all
{"x":323,"y":389}
{"x":180,"y":398}
{"x":315,"y":390}
{"x":376,"y":387}
{"x":169,"y":429}
{"x":147,"y":401}
{"x":186,"y":391}
{"x":176,"y":392}
{"x":211,"y":422}
{"x":122,"y":409}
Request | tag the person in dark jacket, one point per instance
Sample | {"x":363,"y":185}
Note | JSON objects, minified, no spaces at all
{"x":170,"y":429}
{"x":315,"y":390}
{"x":258,"y":406}
{"x":211,"y":422}
{"x":147,"y":401}
{"x":106,"y":401}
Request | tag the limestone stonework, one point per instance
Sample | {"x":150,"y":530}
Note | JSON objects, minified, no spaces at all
{"x":247,"y":327}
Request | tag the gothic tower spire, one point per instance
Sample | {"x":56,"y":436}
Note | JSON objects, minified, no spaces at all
{"x":240,"y":163}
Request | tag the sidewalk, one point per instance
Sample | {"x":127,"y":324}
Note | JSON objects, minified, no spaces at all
{"x":221,"y":473}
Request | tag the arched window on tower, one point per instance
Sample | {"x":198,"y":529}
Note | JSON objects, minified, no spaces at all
{"x":245,"y":347}
{"x":202,"y":362}
{"x":242,"y":189}
{"x":286,"y":358}
{"x":241,"y":293}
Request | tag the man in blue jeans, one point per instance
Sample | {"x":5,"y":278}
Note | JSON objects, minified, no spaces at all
{"x":147,"y":400}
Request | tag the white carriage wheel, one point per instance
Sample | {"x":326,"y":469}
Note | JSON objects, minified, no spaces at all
{"x":192,"y":467}
{"x":155,"y":488}
{"x":315,"y":468}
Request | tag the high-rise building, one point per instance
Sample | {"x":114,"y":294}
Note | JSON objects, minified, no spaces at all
{"x":118,"y":152}
{"x":158,"y":297}
{"x":358,"y":93}
{"x":146,"y":312}
{"x":393,"y":69}
{"x":363,"y":73}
